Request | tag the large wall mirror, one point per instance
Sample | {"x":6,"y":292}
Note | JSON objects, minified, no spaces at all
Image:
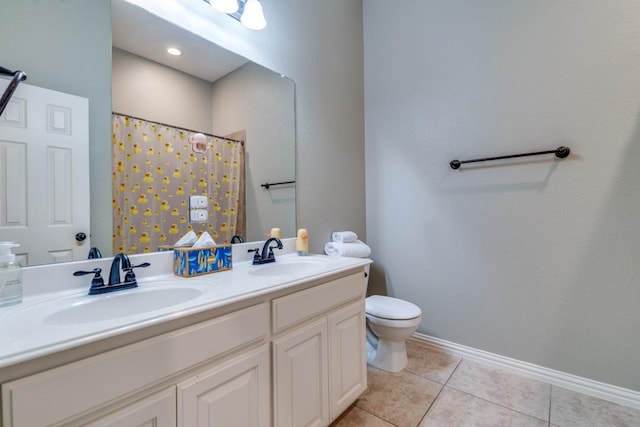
{"x":164,"y":100}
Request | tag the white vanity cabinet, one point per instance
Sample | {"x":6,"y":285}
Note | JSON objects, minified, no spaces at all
{"x":109,"y":384}
{"x":319,"y":366}
{"x":292,"y":356}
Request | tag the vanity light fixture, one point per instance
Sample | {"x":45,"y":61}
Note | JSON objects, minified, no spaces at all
{"x":225,"y":6}
{"x":253,"y":17}
{"x":174,"y":51}
{"x":249,"y":12}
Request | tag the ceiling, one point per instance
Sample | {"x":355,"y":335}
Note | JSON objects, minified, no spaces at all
{"x":144,"y":34}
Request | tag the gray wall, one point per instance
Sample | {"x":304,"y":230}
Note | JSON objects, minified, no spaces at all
{"x":42,"y":39}
{"x":538,"y":260}
{"x":319,"y":45}
{"x":261,"y":102}
{"x":155,"y":92}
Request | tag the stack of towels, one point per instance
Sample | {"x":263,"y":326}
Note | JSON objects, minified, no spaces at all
{"x":346,"y":243}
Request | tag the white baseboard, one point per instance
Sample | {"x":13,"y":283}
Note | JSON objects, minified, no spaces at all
{"x":586,"y":386}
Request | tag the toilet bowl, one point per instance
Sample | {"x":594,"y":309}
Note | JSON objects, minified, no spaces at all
{"x":390,"y":322}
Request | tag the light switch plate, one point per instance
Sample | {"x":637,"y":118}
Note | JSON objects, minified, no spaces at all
{"x":198,"y":202}
{"x":199,"y":215}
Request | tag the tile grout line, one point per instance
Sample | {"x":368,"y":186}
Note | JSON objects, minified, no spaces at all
{"x":550,"y":402}
{"x":499,"y":404}
{"x":431,"y":405}
{"x":454,"y":371}
{"x":376,"y":416}
{"x":434,"y":399}
{"x":439,"y":393}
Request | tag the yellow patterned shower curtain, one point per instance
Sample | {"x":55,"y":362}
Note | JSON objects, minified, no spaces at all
{"x":155,"y":171}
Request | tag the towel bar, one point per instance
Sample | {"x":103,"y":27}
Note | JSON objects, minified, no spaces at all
{"x":267,"y":184}
{"x":560,"y":152}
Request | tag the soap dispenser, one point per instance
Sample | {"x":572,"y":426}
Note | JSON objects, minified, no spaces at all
{"x":10,"y":275}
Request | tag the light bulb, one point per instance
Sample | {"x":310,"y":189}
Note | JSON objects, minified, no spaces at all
{"x":225,"y":6}
{"x":252,"y":17}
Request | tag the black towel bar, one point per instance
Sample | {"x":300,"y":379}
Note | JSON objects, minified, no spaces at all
{"x":560,"y":152}
{"x":267,"y":185}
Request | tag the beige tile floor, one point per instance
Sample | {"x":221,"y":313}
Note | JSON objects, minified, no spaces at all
{"x":440,"y":390}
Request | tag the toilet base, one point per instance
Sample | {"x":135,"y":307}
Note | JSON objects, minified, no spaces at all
{"x":387,"y":355}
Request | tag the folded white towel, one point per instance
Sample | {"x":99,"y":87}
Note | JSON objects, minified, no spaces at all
{"x":344,"y":236}
{"x":355,"y":249}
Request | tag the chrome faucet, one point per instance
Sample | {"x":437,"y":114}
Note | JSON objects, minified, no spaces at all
{"x":267,"y":252}
{"x":120,"y":261}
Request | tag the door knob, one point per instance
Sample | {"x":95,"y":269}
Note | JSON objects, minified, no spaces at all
{"x":80,"y":237}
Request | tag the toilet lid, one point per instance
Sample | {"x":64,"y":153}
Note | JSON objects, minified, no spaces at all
{"x":391,"y":308}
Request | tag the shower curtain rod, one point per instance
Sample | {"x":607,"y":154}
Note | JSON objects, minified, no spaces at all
{"x":560,"y":152}
{"x":179,"y":127}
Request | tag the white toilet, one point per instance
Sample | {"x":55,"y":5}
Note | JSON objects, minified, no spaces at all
{"x":390,"y":322}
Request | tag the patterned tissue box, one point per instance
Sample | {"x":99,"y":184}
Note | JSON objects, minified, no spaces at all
{"x":188,"y":262}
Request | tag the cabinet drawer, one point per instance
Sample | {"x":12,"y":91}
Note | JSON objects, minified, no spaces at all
{"x":73,"y":389}
{"x":303,"y":305}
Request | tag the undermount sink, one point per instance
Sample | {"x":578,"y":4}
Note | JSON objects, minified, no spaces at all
{"x":289,"y":266}
{"x":119,"y":305}
{"x":143,"y":299}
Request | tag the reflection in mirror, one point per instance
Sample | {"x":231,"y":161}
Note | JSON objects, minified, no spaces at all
{"x":147,"y":83}
{"x":165,"y":187}
{"x":206,"y":90}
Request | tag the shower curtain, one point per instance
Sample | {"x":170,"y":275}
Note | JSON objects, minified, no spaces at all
{"x":155,"y":171}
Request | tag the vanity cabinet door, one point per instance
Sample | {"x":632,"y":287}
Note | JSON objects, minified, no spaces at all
{"x":300,"y":376}
{"x":234,"y":393}
{"x":348,"y":363}
{"x":158,"y":410}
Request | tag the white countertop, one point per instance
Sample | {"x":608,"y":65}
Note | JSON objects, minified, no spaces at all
{"x":28,"y":330}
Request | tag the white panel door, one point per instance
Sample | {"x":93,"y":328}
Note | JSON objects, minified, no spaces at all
{"x":44,"y":175}
{"x":301,"y":377}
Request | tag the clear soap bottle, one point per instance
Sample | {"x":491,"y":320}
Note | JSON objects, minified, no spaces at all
{"x":10,"y":275}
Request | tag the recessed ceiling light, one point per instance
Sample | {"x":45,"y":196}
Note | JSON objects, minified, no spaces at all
{"x":174,"y":51}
